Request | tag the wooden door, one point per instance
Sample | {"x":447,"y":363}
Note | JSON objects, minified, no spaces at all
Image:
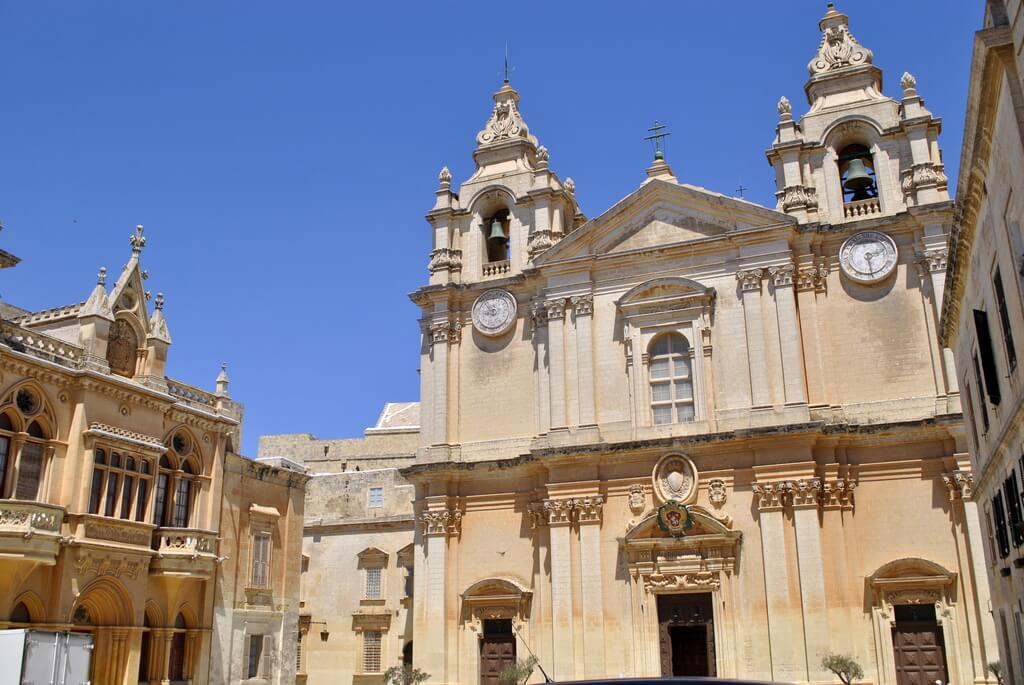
{"x":920,"y":653}
{"x":686,"y":634}
{"x":496,"y":652}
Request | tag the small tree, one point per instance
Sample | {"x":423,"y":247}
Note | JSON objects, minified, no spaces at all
{"x":519,"y":672}
{"x":405,"y":675}
{"x":996,"y":669}
{"x":845,"y":667}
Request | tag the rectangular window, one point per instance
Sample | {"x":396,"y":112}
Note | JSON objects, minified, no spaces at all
{"x":1004,"y":320}
{"x":376,"y":498}
{"x":140,"y":501}
{"x":371,"y":651}
{"x":260,"y":560}
{"x":1013,"y":504}
{"x":111,"y":495}
{"x":181,"y":503}
{"x":409,"y":583}
{"x":373,"y":583}
{"x":988,"y":358}
{"x":126,"y":497}
{"x":983,"y":408}
{"x":255,"y":656}
{"x":1002,"y":537}
{"x":30,"y":471}
{"x":161,"y":499}
{"x":973,"y":418}
{"x":96,"y":492}
{"x":5,"y":445}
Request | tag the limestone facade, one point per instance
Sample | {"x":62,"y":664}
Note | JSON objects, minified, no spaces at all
{"x":983,"y":316}
{"x":691,"y":435}
{"x":114,"y":488}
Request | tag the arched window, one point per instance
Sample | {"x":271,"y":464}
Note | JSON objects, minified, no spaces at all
{"x":163,"y":480}
{"x":122,"y":348}
{"x":183,"y":496}
{"x":496,"y":236}
{"x":176,"y":479}
{"x":120,"y":485}
{"x":671,"y":379}
{"x":20,"y":614}
{"x":857,"y":173}
{"x":23,"y":455}
{"x":176,"y":667}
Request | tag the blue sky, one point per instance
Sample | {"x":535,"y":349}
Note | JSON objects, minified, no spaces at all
{"x":282,"y":155}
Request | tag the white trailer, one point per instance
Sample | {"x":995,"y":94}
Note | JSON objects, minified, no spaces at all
{"x":42,"y":657}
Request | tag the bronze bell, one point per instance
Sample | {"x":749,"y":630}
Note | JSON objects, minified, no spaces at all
{"x":857,"y":178}
{"x":497,"y":231}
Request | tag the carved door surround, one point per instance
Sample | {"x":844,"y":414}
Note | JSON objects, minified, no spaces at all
{"x":664,"y":305}
{"x":912,"y":581}
{"x":702,"y":561}
{"x":489,"y":599}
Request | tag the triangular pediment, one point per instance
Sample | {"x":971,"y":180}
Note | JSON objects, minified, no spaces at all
{"x":662,"y":213}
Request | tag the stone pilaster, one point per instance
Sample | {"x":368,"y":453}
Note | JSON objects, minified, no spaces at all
{"x":809,"y":281}
{"x":442,"y":335}
{"x":588,"y":516}
{"x":750,"y":287}
{"x":789,"y":333}
{"x":556,"y":360}
{"x":583,"y":318}
{"x":438,"y":525}
{"x":811,"y":567}
{"x":557,"y":515}
{"x":539,"y":319}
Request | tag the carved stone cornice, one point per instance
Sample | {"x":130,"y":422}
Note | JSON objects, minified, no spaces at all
{"x":805,"y":492}
{"x":445,"y":258}
{"x":583,"y":305}
{"x":750,"y":279}
{"x":811,"y":277}
{"x":555,"y":512}
{"x":772,"y":496}
{"x":666,"y":582}
{"x":960,"y":484}
{"x":782,"y":275}
{"x":441,"y":522}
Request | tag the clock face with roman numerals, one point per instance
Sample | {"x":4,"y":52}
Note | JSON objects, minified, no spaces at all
{"x":494,"y":312}
{"x":868,"y":256}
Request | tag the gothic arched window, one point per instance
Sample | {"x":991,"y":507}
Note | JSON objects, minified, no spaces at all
{"x":671,"y":379}
{"x":23,"y":455}
{"x":857,"y":173}
{"x":122,"y":348}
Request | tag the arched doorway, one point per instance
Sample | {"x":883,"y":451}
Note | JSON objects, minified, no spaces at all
{"x":494,"y":610}
{"x":176,"y":663}
{"x":105,"y":609}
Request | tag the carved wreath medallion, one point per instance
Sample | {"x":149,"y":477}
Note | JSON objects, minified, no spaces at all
{"x":494,"y":312}
{"x":868,"y":256}
{"x":675,"y":478}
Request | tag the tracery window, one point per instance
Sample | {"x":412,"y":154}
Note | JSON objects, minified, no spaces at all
{"x":24,"y":445}
{"x":122,"y":348}
{"x":671,"y":379}
{"x":176,"y":484}
{"x":120,"y":485}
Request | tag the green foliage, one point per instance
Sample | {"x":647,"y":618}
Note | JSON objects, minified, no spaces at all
{"x":996,"y":669}
{"x":405,"y":675}
{"x":519,"y":672}
{"x":844,"y":666}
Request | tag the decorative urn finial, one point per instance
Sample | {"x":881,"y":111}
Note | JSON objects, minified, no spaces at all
{"x":909,"y":84}
{"x":785,"y":109}
{"x":444,"y":177}
{"x":222,"y":380}
{"x":101,"y":277}
{"x":570,"y":185}
{"x":138,"y":241}
{"x":159,"y":304}
{"x":542,"y":156}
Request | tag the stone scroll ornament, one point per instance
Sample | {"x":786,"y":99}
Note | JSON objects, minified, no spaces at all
{"x":674,"y":518}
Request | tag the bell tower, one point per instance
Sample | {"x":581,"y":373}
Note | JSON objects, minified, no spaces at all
{"x":856,"y":153}
{"x":508,"y":212}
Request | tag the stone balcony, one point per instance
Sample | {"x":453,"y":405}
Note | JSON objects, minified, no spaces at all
{"x":110,"y":533}
{"x":184,"y":552}
{"x":30,"y":531}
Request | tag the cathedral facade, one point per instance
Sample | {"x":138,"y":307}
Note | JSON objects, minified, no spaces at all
{"x":692,"y":435}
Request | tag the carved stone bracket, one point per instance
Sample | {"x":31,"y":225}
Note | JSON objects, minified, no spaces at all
{"x":750,"y":279}
{"x":445,"y":258}
{"x":538,"y":314}
{"x":442,"y":522}
{"x":960,"y":484}
{"x":837,"y":493}
{"x":637,"y":498}
{"x":924,"y":175}
{"x":799,"y":197}
{"x":667,"y":582}
{"x":554,"y":512}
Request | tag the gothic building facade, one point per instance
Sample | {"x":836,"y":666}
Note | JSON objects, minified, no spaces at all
{"x":125,"y":511}
{"x":692,"y":435}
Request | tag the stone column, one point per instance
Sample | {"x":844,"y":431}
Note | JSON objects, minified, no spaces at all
{"x":789,"y":334}
{"x":750,"y":286}
{"x":811,"y":567}
{"x":557,"y":514}
{"x":438,"y":525}
{"x":556,"y":360}
{"x":588,"y":515}
{"x":583,"y":318}
{"x":784,"y":627}
{"x":810,"y":280}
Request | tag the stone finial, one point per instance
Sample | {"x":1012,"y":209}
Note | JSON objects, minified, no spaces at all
{"x":137,"y":241}
{"x":909,"y":84}
{"x":542,"y":154}
{"x":159,"y":304}
{"x":505,"y":122}
{"x":570,"y":186}
{"x":444,"y":177}
{"x":101,"y":277}
{"x":785,"y":109}
{"x":838,"y":47}
{"x":222,"y":380}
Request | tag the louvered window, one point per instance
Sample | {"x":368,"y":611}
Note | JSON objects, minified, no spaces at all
{"x":261,"y":560}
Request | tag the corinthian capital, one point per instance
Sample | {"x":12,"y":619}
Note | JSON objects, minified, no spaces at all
{"x":806,"y":492}
{"x":771,"y":496}
{"x":441,"y":522}
{"x":781,"y":275}
{"x":583,"y":305}
{"x":750,"y":279}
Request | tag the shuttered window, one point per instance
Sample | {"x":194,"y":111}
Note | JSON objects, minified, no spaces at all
{"x":261,"y":560}
{"x":30,"y":470}
{"x":1004,"y":320}
{"x":1013,"y":504}
{"x":255,"y":656}
{"x":982,"y":406}
{"x":988,"y":358}
{"x":1002,"y":535}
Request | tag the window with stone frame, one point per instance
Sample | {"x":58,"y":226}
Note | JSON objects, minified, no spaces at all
{"x":120,"y":485}
{"x":371,"y":651}
{"x":1002,"y":534}
{"x":373,"y":583}
{"x":260,"y":571}
{"x":670,"y":373}
{"x":26,"y":429}
{"x":373,"y":562}
{"x":259,"y":655}
{"x":1004,"y":320}
{"x":1013,"y":504}
{"x":375,"y":497}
